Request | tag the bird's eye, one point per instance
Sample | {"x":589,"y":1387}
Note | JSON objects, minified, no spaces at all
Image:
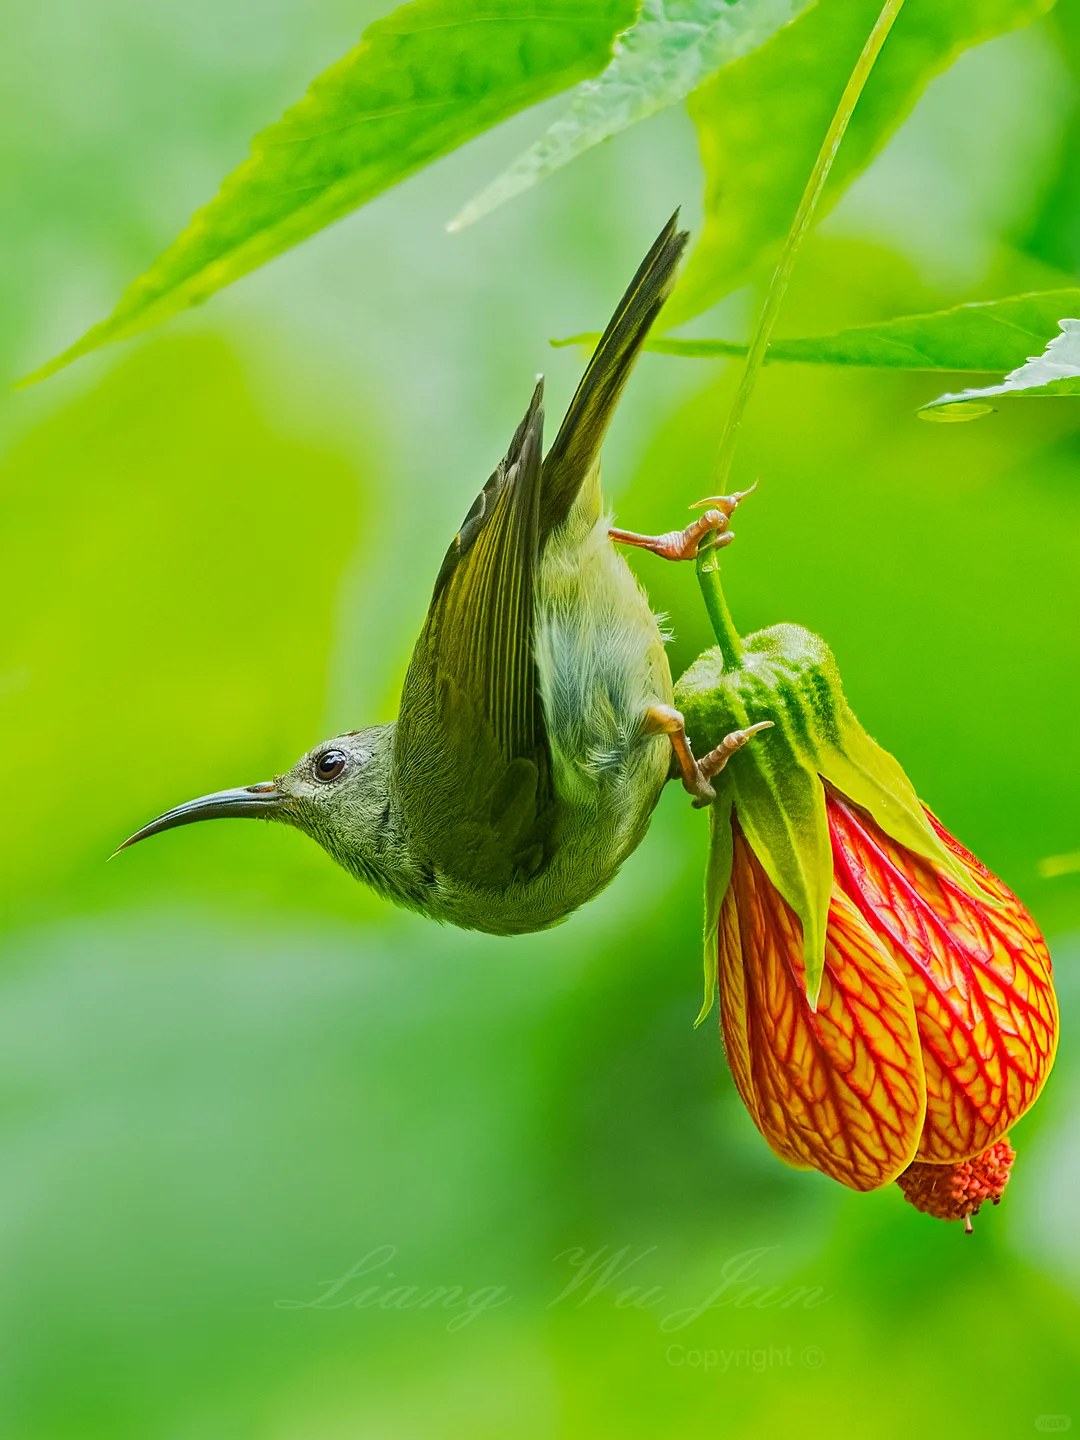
{"x":330,"y":765}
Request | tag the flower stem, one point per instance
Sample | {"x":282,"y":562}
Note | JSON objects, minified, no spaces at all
{"x":727,"y":637}
{"x":804,"y":217}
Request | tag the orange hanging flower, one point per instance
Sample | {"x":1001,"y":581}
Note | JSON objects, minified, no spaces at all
{"x":934,"y":1027}
{"x":886,"y":1002}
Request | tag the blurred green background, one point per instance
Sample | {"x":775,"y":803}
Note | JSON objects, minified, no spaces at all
{"x":229,"y":1077}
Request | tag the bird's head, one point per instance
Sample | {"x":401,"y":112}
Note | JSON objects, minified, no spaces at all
{"x":338,"y":793}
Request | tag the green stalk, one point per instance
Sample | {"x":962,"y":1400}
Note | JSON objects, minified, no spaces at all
{"x":804,"y":218}
{"x":727,"y":637}
{"x":708,"y":576}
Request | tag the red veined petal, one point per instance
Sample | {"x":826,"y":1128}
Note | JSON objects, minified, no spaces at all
{"x":841,"y":1090}
{"x":979,"y":975}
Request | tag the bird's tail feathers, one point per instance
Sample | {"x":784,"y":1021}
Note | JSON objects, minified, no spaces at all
{"x":577,"y":445}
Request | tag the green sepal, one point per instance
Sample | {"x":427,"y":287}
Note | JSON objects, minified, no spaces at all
{"x":776,"y":793}
{"x":717,"y":879}
{"x":875,"y":781}
{"x":788,"y":675}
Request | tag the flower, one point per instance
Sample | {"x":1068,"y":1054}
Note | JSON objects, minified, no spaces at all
{"x":886,"y":1002}
{"x":934,"y":1026}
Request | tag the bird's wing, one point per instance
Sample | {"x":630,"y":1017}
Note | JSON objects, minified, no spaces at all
{"x":471,"y":759}
{"x":472,"y":765}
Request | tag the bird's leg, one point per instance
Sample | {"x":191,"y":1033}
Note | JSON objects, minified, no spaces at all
{"x":680,"y":544}
{"x":666,"y":720}
{"x":685,"y":544}
{"x":696,"y":774}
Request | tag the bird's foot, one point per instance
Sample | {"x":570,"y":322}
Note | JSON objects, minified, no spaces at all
{"x":708,"y":532}
{"x":680,"y":544}
{"x":696,"y":775}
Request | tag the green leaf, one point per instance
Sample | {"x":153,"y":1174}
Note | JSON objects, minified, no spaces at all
{"x":422,"y":81}
{"x":1055,"y":372}
{"x":675,"y":46}
{"x":760,"y":122}
{"x":984,"y":335}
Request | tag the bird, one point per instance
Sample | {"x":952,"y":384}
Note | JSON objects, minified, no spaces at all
{"x":536,"y":728}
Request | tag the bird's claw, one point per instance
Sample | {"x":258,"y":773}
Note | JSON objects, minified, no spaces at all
{"x":724,"y":503}
{"x":712,"y":763}
{"x":696,"y":775}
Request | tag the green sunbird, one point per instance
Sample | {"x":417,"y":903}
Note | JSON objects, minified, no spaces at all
{"x":536,"y":728}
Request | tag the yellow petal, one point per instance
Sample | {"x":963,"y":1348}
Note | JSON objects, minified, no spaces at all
{"x":840,"y":1089}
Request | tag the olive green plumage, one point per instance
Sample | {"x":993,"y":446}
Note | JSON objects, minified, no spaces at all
{"x":519,"y":774}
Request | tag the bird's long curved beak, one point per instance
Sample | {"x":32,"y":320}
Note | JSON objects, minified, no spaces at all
{"x":248,"y":802}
